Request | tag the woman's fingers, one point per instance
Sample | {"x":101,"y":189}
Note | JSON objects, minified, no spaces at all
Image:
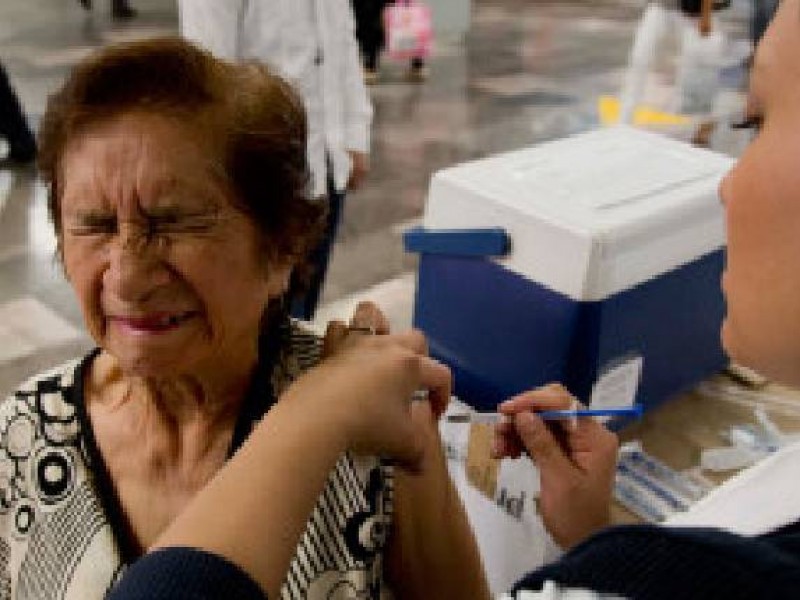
{"x":335,"y":334}
{"x":413,"y":340}
{"x":437,"y":380}
{"x":506,"y":443}
{"x":421,"y":414}
{"x":367,"y":319}
{"x":370,"y":317}
{"x":553,"y":396}
{"x":395,"y":380}
{"x":541,"y":444}
{"x":575,"y":458}
{"x":509,"y":439}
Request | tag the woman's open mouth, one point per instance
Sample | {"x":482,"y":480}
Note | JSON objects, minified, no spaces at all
{"x":153,"y":323}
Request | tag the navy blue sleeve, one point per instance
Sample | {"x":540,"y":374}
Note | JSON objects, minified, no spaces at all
{"x":647,"y":561}
{"x":185,"y":574}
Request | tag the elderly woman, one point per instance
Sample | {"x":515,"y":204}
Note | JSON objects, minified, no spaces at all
{"x":177,"y":187}
{"x":762,"y":329}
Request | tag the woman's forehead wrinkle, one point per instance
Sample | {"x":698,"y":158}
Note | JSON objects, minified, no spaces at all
{"x":146,"y":177}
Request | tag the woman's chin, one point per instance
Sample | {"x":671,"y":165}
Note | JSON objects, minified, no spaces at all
{"x":149,"y":364}
{"x":164,"y":355}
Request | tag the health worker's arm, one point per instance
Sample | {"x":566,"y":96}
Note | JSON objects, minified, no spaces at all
{"x":254,"y":511}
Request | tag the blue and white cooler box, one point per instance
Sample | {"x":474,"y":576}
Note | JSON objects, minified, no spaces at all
{"x":552,"y":262}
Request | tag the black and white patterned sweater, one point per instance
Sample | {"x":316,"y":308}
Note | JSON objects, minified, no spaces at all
{"x":61,"y":526}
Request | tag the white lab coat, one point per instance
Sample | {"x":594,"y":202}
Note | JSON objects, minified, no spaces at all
{"x":310,"y":42}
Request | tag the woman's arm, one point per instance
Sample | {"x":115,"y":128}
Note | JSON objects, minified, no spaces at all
{"x":432,"y":551}
{"x":254,"y":511}
{"x":256,"y":508}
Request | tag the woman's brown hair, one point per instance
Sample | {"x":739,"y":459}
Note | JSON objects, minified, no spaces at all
{"x":257,"y":118}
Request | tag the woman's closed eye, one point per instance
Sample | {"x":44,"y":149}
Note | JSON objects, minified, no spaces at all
{"x":94,"y":224}
{"x":170,"y":223}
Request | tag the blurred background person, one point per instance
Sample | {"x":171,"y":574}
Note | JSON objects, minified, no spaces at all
{"x":13,"y":126}
{"x":369,"y":32}
{"x":312,"y":43}
{"x":120,"y":9}
{"x":371,"y":35}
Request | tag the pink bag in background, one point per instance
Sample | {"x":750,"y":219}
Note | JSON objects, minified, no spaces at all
{"x":409,"y":30}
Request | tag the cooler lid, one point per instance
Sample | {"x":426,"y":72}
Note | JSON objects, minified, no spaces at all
{"x":592,"y":214}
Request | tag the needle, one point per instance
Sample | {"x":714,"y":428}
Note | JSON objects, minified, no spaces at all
{"x":550,"y":415}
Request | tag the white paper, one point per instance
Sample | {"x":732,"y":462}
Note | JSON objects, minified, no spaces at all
{"x":617,"y":386}
{"x":757,"y":500}
{"x":509,"y":547}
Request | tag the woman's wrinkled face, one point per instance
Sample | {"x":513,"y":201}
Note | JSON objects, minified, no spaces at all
{"x":168,"y":273}
{"x":762,"y":201}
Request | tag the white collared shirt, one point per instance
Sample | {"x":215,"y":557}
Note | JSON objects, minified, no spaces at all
{"x":311,"y":43}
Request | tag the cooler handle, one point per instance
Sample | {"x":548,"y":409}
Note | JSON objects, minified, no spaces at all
{"x":485,"y":241}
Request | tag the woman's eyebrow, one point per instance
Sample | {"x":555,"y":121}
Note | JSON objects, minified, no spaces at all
{"x":176,"y":210}
{"x":88,"y":214}
{"x":199,"y":203}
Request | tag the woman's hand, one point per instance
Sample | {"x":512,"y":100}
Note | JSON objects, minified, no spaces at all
{"x":365,"y":387}
{"x":576,"y":460}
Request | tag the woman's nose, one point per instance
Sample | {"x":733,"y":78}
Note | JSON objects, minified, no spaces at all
{"x":135,"y":267}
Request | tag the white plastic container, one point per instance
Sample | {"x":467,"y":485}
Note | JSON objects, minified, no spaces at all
{"x":616,"y":247}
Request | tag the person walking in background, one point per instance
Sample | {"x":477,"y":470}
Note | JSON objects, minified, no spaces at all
{"x":312,"y":43}
{"x":120,"y":9}
{"x":371,"y":35}
{"x":13,"y":126}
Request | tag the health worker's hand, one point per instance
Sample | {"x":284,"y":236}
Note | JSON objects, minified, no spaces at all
{"x":576,"y":459}
{"x":367,"y":318}
{"x":365,"y":388}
